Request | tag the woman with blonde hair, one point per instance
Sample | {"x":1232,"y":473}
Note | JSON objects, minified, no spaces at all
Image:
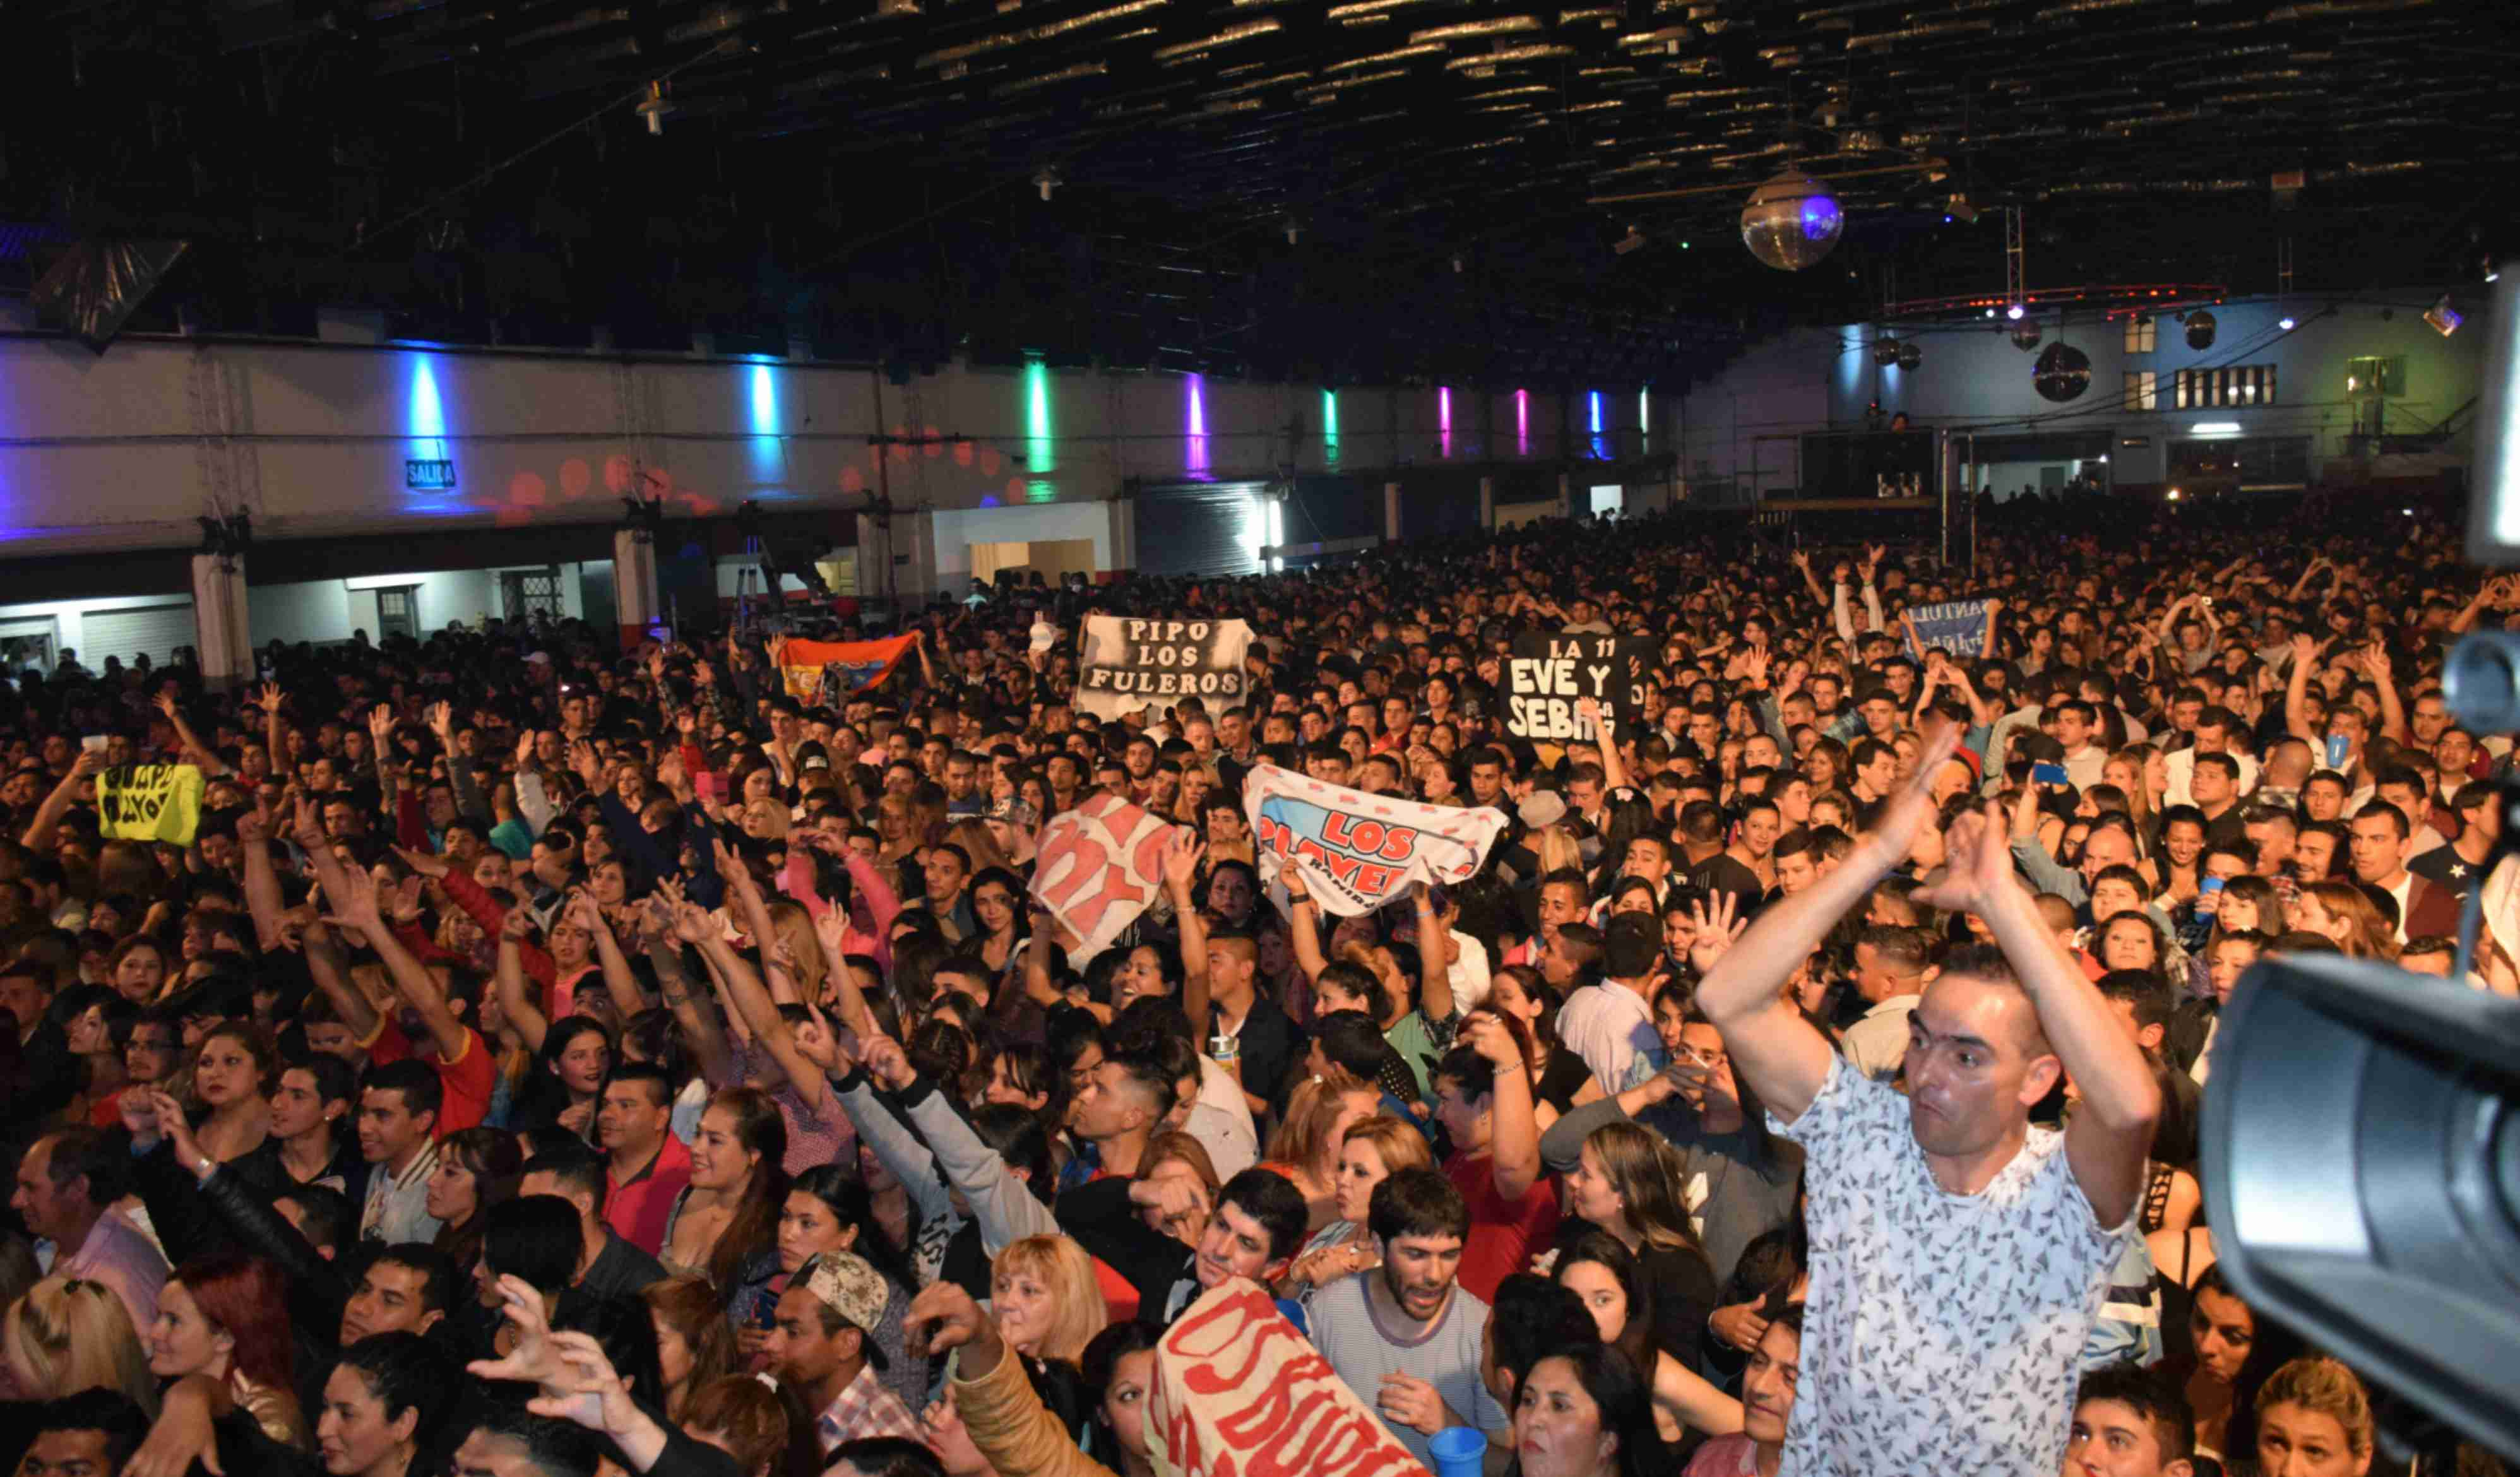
{"x":68,"y":1335}
{"x":1305,"y":1148}
{"x":2340,"y":910}
{"x":694,"y":1344}
{"x":2314,"y":1420}
{"x":1371,"y":1151}
{"x":1558,"y":850}
{"x":1044,"y":1296}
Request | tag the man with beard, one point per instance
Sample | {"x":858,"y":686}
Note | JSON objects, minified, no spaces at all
{"x":1404,"y":1335}
{"x":1959,"y":1253}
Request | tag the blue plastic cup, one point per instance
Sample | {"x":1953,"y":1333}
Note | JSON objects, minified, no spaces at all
{"x":1457,"y":1450}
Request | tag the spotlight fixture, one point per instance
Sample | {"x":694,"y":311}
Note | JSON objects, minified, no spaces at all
{"x":2286,"y":323}
{"x":2015,"y":312}
{"x":1990,"y":312}
{"x":2200,"y":330}
{"x":1633,"y":241}
{"x":1958,"y":207}
{"x":1045,"y":179}
{"x":2444,"y":318}
{"x":1791,"y":221}
{"x":654,"y":106}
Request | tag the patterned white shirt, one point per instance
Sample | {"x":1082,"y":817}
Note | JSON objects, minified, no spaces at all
{"x":1943,"y":1330}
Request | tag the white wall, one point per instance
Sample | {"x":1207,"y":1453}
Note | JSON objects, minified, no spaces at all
{"x":122,"y":452}
{"x":67,"y":613}
{"x":315,"y":610}
{"x":954,"y":531}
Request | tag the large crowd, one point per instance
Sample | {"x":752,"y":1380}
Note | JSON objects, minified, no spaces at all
{"x":537,"y":1059}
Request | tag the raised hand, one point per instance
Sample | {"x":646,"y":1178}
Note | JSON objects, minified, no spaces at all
{"x":423,"y":862}
{"x":588,"y":764}
{"x":1912,"y":806}
{"x":525,"y":747}
{"x":1714,"y":931}
{"x":1486,"y":1035}
{"x":888,"y":1064}
{"x":309,"y":829}
{"x":1980,"y":864}
{"x":1183,"y":852}
{"x":944,"y":1315}
{"x":441,"y":721}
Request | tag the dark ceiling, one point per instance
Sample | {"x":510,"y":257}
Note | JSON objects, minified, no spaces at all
{"x":862,"y":173}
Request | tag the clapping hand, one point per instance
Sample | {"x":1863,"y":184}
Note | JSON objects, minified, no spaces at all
{"x":1980,"y":864}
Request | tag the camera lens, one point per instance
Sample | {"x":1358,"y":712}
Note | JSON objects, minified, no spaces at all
{"x":2482,"y":682}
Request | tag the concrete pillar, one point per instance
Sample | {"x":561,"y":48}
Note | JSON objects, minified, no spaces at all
{"x":875,"y":558}
{"x":1487,"y":502}
{"x":1124,"y":537}
{"x":638,"y":602}
{"x":1565,"y":494}
{"x":222,"y":635}
{"x":1391,"y":512}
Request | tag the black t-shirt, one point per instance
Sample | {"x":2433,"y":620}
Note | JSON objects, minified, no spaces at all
{"x":1270,"y":1044}
{"x":1563,"y":1078}
{"x":1725,"y":872}
{"x":2444,"y":867}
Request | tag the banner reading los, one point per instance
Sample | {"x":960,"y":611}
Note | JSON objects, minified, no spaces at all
{"x":826,"y":671}
{"x":1356,"y":851}
{"x":1127,"y":665}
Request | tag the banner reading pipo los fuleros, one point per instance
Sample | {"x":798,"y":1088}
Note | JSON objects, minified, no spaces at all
{"x":1098,"y":867}
{"x":1356,"y":851}
{"x":1127,"y":664}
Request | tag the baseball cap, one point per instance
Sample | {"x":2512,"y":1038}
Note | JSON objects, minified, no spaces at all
{"x":1013,"y":811}
{"x":852,"y":1288}
{"x":1044,"y":636}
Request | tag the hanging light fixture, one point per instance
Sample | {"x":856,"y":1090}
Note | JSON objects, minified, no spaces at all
{"x":654,"y":106}
{"x":1791,"y":221}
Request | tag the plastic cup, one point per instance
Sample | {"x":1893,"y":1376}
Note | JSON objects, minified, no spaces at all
{"x":1457,"y":1450}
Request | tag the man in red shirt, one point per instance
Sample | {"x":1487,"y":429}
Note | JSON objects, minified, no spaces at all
{"x":646,"y":1166}
{"x":1483,"y":1098}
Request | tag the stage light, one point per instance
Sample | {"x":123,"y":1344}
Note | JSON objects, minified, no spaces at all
{"x":1045,"y":179}
{"x":2285,"y":322}
{"x":1791,"y":222}
{"x":1633,"y":241}
{"x":1958,"y":207}
{"x":2174,"y":494}
{"x":2444,"y":318}
{"x":2015,"y":312}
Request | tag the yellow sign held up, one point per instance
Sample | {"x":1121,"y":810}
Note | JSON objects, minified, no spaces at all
{"x":149,"y":802}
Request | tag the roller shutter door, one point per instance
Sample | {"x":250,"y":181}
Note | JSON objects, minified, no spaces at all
{"x":1199,"y":528}
{"x":154,"y":631}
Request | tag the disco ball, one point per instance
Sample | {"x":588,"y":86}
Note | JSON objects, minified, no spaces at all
{"x":1909,"y":356}
{"x":2200,"y":330}
{"x":2061,"y":373}
{"x":2025,"y":337}
{"x":1791,"y":221}
{"x":1885,"y":352}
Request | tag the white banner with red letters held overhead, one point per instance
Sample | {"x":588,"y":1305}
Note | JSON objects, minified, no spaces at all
{"x":1239,"y":1393}
{"x":1098,"y":867}
{"x":1357,"y":851}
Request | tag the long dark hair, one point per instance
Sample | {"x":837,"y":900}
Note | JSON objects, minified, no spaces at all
{"x":851,"y":1203}
{"x":493,"y":1157}
{"x":1100,"y":1362}
{"x":1619,"y":1391}
{"x":759,"y":1128}
{"x":1605,"y":1250}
